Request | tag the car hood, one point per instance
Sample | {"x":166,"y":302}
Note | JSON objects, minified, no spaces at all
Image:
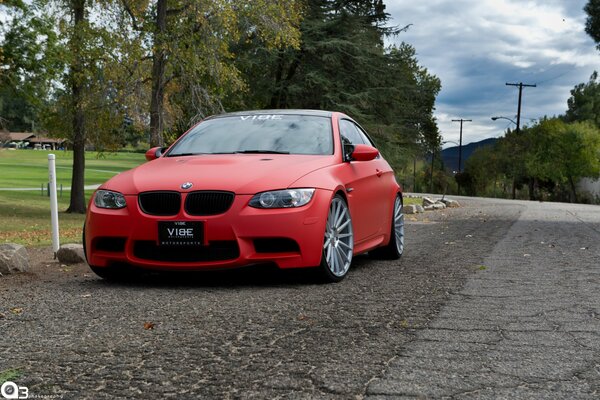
{"x":238,"y":173}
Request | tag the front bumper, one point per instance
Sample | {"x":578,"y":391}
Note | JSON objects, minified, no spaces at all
{"x":288,"y":238}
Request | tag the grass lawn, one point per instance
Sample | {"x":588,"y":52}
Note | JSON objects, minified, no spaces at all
{"x":25,"y":215}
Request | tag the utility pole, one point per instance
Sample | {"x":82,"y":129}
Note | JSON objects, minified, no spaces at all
{"x":414,"y":174}
{"x":520,"y":85}
{"x":460,"y":142}
{"x":460,"y":148}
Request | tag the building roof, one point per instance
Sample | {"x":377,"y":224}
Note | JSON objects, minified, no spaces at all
{"x":20,"y":136}
{"x":43,"y":139}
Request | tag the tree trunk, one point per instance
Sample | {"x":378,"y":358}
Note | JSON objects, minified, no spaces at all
{"x":573,"y":190}
{"x":514,"y":189}
{"x":77,"y":202}
{"x":531,"y":189}
{"x":158,"y":76}
{"x":276,"y":96}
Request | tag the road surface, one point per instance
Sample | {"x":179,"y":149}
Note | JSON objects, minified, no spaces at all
{"x":497,"y":299}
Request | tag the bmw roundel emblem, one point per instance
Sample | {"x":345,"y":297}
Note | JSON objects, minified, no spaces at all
{"x":187,"y":185}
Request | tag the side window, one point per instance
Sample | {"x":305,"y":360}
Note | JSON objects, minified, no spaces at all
{"x":349,"y":132}
{"x":349,"y":136}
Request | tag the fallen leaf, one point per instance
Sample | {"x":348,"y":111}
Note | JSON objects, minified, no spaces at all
{"x":2,"y":316}
{"x":301,"y":317}
{"x":16,"y":310}
{"x":149,"y":325}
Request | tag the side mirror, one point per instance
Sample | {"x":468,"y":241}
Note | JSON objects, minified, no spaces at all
{"x":363,"y":152}
{"x":154,"y":153}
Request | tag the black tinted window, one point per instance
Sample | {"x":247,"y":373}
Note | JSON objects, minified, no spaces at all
{"x":294,"y":134}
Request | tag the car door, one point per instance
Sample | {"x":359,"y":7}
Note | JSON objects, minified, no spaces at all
{"x":363,"y":185}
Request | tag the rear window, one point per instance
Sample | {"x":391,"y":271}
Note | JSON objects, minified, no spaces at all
{"x":257,"y":133}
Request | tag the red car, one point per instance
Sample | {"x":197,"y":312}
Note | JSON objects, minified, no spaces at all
{"x":295,"y":188}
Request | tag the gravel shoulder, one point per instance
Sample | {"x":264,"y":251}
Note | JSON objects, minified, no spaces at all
{"x":251,"y":333}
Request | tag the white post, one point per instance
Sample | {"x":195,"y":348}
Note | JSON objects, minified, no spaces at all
{"x":53,"y":202}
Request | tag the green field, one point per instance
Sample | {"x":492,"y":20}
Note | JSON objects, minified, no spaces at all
{"x":25,"y":215}
{"x":29,"y":168}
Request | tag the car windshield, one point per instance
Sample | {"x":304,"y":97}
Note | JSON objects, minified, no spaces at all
{"x":258,"y":133}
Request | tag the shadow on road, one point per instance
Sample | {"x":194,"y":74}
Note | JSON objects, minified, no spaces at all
{"x":263,"y":275}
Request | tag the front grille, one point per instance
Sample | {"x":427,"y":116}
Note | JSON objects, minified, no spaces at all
{"x":216,"y":251}
{"x":160,"y":203}
{"x":208,"y":202}
{"x":112,"y":244}
{"x":276,"y":245}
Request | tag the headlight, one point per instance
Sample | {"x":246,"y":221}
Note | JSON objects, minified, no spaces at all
{"x":108,"y":199}
{"x":282,"y":198}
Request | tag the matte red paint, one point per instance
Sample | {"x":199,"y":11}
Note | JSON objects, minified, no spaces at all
{"x":368,"y":186}
{"x":363,"y":152}
{"x":152,"y":154}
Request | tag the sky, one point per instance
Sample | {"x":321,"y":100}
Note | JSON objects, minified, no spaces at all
{"x":476,"y":46}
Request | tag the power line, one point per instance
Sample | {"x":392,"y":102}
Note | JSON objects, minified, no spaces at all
{"x":520,"y":85}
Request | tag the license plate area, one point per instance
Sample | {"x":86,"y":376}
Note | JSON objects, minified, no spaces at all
{"x":180,"y":233}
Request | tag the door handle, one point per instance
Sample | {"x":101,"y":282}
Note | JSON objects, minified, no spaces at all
{"x":379,"y":172}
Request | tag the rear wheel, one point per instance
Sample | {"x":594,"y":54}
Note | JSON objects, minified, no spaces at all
{"x":394,"y":249}
{"x":338,"y":242}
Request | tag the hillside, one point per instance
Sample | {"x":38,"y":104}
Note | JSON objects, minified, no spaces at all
{"x":450,"y":155}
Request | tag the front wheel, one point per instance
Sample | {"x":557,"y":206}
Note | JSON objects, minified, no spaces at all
{"x":338,"y":242}
{"x":394,"y":249}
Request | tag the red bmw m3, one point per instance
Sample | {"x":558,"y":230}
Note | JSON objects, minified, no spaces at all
{"x":294,"y":188}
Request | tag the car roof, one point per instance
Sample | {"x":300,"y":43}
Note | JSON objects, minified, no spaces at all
{"x":316,"y":113}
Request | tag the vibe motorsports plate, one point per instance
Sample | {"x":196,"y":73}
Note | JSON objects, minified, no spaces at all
{"x":180,"y":233}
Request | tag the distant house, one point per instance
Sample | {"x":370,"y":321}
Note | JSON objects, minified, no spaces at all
{"x":24,"y":140}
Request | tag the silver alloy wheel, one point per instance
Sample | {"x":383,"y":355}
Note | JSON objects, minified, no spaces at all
{"x":338,"y":243}
{"x":399,"y":225}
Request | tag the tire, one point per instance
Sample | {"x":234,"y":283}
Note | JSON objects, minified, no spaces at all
{"x":338,"y":242}
{"x":394,"y":249}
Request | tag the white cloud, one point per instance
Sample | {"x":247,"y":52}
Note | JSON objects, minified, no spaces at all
{"x":476,"y":46}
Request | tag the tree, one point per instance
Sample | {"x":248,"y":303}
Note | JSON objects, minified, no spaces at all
{"x":584,"y":103}
{"x":592,"y":24}
{"x":88,"y":103}
{"x":29,"y":64}
{"x":578,"y":155}
{"x":343,"y":65}
{"x":193,"y":66}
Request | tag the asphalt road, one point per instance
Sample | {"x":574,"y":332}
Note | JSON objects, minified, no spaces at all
{"x":497,"y":299}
